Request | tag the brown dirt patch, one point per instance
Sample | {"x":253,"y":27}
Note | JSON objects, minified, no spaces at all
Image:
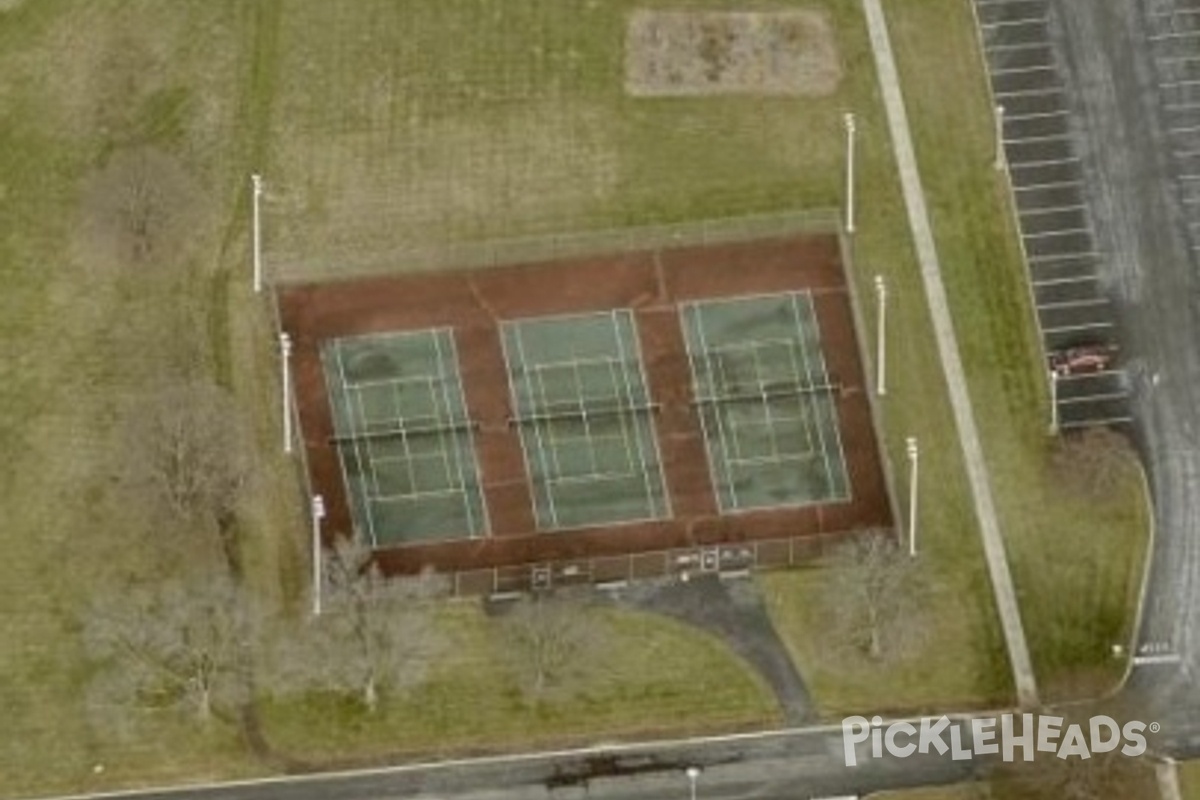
{"x":684,"y":53}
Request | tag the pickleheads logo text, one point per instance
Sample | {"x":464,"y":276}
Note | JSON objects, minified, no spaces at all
{"x":1009,"y":736}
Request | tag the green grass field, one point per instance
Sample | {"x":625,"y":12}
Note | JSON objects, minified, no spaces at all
{"x":1189,"y":780}
{"x":383,"y":127}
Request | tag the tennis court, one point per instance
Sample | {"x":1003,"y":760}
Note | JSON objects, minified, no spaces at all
{"x":403,"y":437}
{"x":767,"y":405}
{"x":582,"y":408}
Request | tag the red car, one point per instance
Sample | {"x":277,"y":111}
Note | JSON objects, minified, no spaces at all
{"x":1082,"y":360}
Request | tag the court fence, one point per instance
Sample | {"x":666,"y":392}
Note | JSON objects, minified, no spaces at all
{"x":287,"y":268}
{"x":728,"y":559}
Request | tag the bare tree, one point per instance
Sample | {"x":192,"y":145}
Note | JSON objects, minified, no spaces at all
{"x":551,"y":641}
{"x":140,"y":206}
{"x":375,"y":635}
{"x":1092,"y":462}
{"x":178,"y":646}
{"x":184,"y":450}
{"x":874,"y":602}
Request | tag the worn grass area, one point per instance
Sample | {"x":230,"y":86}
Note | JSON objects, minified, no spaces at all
{"x":657,"y":676}
{"x":1077,"y":563}
{"x":1189,"y":780}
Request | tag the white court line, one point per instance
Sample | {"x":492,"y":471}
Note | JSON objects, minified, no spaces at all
{"x":1086,"y":326}
{"x":635,"y":419}
{"x":540,"y":446}
{"x":1097,"y":301}
{"x":813,"y":408}
{"x":1031,"y":92}
{"x":1052,"y":137}
{"x":454,"y":440}
{"x":723,"y":439}
{"x":337,"y":353}
{"x":1034,"y":212}
{"x":1063,"y":281}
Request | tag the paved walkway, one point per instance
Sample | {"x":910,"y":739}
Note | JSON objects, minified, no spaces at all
{"x":960,"y":401}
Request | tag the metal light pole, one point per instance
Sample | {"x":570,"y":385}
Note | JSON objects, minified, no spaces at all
{"x":256,"y":230}
{"x":693,"y":774}
{"x":318,"y":514}
{"x":910,"y":445}
{"x":285,"y":355}
{"x":881,"y":334}
{"x":1053,"y":401}
{"x":848,"y":119}
{"x":999,"y":161}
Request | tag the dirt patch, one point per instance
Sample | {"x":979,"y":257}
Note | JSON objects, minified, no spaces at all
{"x":682,"y":53}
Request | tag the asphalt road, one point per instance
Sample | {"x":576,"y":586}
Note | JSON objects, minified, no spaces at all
{"x":1129,"y":67}
{"x":789,"y":765}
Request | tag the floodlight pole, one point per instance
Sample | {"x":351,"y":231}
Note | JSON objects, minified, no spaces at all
{"x":848,"y":119}
{"x":693,"y":775}
{"x":285,"y":355}
{"x":881,"y":335}
{"x":318,"y":514}
{"x":1053,"y":402}
{"x":910,"y":446}
{"x":999,"y":160}
{"x":256,"y":230}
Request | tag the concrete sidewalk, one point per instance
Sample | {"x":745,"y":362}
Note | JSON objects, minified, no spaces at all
{"x":960,"y":401}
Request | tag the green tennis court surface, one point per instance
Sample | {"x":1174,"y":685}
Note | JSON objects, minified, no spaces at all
{"x":766,"y":404}
{"x":403,"y":437}
{"x":583,"y":410}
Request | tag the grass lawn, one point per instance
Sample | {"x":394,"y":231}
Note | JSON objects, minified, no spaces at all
{"x":381,"y":125}
{"x":646,"y":684}
{"x":1189,"y":779}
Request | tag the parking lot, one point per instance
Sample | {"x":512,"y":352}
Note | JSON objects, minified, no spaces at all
{"x":1041,"y":153}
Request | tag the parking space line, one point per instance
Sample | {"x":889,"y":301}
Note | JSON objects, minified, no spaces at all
{"x":1062,"y":281}
{"x":1162,"y":37}
{"x":1178,"y":59}
{"x":1048,"y":162}
{"x":1177,"y":84}
{"x":1033,"y":212}
{"x":1191,"y":200}
{"x":1062,"y":112}
{"x":1080,"y":377}
{"x":1034,"y":187}
{"x":1086,"y":326}
{"x":1092,"y":398}
{"x":1012,"y":23}
{"x":1093,"y":423}
{"x":1050,"y":259}
{"x":1020,"y":70}
{"x":1010,"y":48}
{"x":1031,"y":92}
{"x":1181,"y":106}
{"x":1096,"y":301}
{"x":1054,"y":137}
{"x":1060,"y":232}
